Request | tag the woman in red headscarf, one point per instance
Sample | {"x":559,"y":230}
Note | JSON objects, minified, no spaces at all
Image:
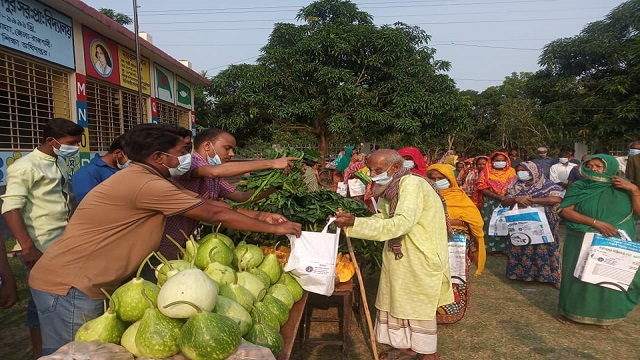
{"x":493,"y":183}
{"x":414,"y":160}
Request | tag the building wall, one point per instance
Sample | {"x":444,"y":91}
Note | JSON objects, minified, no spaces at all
{"x":50,"y":67}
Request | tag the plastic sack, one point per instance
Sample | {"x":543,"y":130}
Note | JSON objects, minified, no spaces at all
{"x":90,"y":350}
{"x":497,"y":224}
{"x":249,"y":351}
{"x":528,"y":226}
{"x":356,"y":187}
{"x":313,"y":260}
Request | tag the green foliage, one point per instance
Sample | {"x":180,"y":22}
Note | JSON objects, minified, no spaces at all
{"x":594,"y":78}
{"x":338,"y":74}
{"x":120,"y":18}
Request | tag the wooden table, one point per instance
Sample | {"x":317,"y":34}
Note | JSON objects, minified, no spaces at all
{"x":289,"y":330}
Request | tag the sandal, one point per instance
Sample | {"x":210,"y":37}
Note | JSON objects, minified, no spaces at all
{"x":396,"y":354}
{"x":564,"y":320}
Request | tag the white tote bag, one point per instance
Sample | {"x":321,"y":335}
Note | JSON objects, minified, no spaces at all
{"x":497,"y":224}
{"x":528,"y":226}
{"x":313,"y":260}
{"x":356,"y":187}
{"x":458,"y":258}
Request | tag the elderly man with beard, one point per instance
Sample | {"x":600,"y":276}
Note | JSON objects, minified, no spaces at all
{"x":415,"y":277}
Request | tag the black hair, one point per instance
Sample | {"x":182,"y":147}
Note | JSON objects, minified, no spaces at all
{"x":565,"y":151}
{"x":145,"y":139}
{"x":568,"y":149}
{"x":207,"y":135}
{"x":58,"y":128}
{"x":117,"y":144}
{"x":184,"y":132}
{"x":604,"y":151}
{"x":107,"y":59}
{"x":475,"y":161}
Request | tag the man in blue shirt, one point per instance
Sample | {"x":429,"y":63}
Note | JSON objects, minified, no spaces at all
{"x":99,"y":169}
{"x":544,"y":161}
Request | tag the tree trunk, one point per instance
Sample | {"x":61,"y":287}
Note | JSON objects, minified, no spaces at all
{"x":323,"y":145}
{"x":322,"y":135}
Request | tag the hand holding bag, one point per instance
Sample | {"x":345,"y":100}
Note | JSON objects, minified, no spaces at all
{"x":313,"y":260}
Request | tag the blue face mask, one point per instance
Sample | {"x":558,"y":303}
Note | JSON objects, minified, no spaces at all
{"x":214,"y":160}
{"x":634,"y":152}
{"x":442,"y":184}
{"x":66,"y":151}
{"x":524,"y":175}
{"x":499,"y":164}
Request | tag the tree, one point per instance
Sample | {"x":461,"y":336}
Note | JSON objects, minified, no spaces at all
{"x":594,"y":79}
{"x":120,"y":18}
{"x":338,"y":74}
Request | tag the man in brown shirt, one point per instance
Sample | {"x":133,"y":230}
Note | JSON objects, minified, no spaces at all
{"x":117,"y":225}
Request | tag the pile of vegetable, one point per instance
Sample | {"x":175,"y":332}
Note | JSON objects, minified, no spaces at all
{"x":290,"y":181}
{"x":202,"y":306}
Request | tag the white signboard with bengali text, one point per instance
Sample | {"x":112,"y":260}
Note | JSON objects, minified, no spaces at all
{"x":38,"y":30}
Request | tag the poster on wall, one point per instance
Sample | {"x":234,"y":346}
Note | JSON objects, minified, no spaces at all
{"x":165,"y":85}
{"x":129,"y":70}
{"x":183,"y":93}
{"x":38,"y":30}
{"x":100,"y":56}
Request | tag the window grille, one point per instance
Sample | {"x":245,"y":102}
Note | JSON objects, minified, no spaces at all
{"x":30,"y":93}
{"x":111,"y":111}
{"x":171,"y":114}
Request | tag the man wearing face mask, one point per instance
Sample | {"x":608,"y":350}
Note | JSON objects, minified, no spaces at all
{"x":117,"y":225}
{"x":559,"y":173}
{"x":36,"y":204}
{"x":214,"y":148}
{"x":415,"y":276}
{"x":100,"y":169}
{"x":544,"y":161}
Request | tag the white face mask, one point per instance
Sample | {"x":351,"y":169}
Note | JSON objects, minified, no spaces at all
{"x":499,"y":164}
{"x":214,"y":160}
{"x":383,"y":178}
{"x":183,"y":166}
{"x":563,"y":160}
{"x":524,"y":175}
{"x":66,"y":151}
{"x":408,"y":164}
{"x":442,"y":184}
{"x":122,"y":166}
{"x":634,"y":152}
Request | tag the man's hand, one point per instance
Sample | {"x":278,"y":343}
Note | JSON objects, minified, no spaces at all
{"x":8,"y":292}
{"x":287,"y":228}
{"x":30,"y":255}
{"x":285,"y":163}
{"x":272,"y":218}
{"x":344,"y":220}
{"x":523,"y":201}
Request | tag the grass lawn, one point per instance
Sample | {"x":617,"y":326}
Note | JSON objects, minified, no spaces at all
{"x":506,"y":320}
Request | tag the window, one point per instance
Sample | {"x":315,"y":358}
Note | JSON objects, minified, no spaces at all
{"x":30,"y":94}
{"x":111,"y":111}
{"x":171,"y":114}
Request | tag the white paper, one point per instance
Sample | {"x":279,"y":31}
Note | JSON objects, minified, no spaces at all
{"x":458,"y":259}
{"x":608,"y":262}
{"x":356,"y":187}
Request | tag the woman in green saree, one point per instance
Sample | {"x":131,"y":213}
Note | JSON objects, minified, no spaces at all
{"x":603,"y":203}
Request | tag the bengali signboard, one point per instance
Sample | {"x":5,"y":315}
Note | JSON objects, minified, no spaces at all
{"x":129,"y":70}
{"x":100,"y":56}
{"x":38,"y":30}
{"x":183,"y":93}
{"x":165,"y":85}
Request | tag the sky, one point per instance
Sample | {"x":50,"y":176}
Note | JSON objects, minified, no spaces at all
{"x":485,"y":40}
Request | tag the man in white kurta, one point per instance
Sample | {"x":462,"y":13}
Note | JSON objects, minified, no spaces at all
{"x":412,"y":285}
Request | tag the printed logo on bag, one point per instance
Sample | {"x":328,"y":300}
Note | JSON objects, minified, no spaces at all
{"x":309,"y":269}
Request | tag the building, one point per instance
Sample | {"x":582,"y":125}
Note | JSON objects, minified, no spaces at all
{"x":62,"y":58}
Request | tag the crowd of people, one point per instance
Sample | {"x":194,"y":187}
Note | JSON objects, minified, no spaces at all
{"x":90,"y":232}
